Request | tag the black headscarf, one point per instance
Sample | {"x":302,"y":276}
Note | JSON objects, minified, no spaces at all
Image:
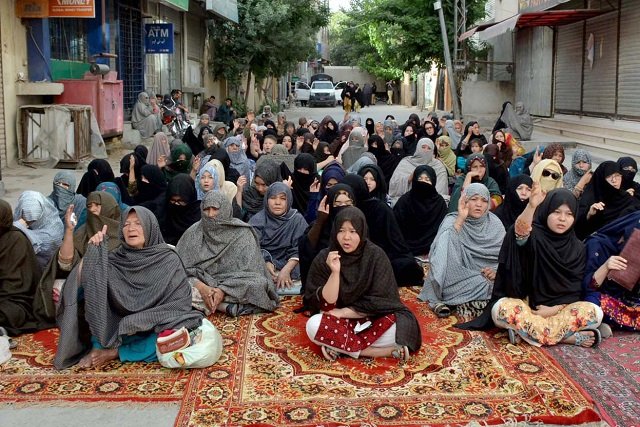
{"x":628,"y":176}
{"x":152,"y":194}
{"x":548,"y":269}
{"x":318,"y":234}
{"x":380,"y":192}
{"x":617,"y":203}
{"x":98,"y":171}
{"x":326,"y":134}
{"x":366,"y":280}
{"x":512,"y":206}
{"x":386,"y":161}
{"x":420,"y":211}
{"x":141,"y":152}
{"x":320,"y":155}
{"x":178,"y":218}
{"x":302,"y":181}
{"x":371,"y":126}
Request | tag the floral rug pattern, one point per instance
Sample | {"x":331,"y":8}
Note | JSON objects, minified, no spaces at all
{"x":270,"y":374}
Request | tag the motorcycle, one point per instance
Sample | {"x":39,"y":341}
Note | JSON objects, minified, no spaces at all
{"x":174,"y":122}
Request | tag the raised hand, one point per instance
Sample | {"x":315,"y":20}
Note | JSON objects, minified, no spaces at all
{"x":68,"y":223}
{"x":241,"y":183}
{"x":98,"y":238}
{"x":288,"y":181}
{"x":315,"y":186}
{"x":323,"y":207}
{"x":333,"y":261}
{"x":537,"y":157}
{"x":463,"y":208}
{"x":162,"y":161}
{"x":197,"y":161}
{"x":537,"y":195}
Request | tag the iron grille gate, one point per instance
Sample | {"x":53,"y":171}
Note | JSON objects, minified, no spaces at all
{"x":130,"y":55}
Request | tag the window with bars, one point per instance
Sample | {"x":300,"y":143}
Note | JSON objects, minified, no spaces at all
{"x":68,"y":39}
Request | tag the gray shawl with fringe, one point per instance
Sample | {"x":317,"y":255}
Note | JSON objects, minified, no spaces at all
{"x":457,"y":257}
{"x":126,"y":291}
{"x":228,"y":256}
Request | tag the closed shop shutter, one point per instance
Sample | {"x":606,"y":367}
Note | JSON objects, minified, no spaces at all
{"x":534,"y":69}
{"x":3,"y":136}
{"x":629,"y":66}
{"x":599,"y":86}
{"x":568,"y":72}
{"x":196,"y":33}
{"x":195,"y":37}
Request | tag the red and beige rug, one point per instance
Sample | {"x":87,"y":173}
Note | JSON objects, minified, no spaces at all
{"x":30,"y":377}
{"x":271,"y":375}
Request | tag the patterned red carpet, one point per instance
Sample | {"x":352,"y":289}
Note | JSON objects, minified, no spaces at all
{"x":30,"y":377}
{"x":611,"y":373}
{"x":271,"y":375}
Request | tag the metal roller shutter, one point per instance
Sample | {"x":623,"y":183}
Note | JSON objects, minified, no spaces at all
{"x":534,"y":69}
{"x":3,"y":137}
{"x":195,"y":37}
{"x":568,"y":70}
{"x":599,"y":86}
{"x":629,"y":66}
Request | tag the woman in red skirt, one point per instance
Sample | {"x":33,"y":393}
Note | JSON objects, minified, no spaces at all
{"x":353,"y":286}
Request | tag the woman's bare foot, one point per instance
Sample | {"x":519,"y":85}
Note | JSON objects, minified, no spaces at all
{"x":586,"y":338}
{"x":97,"y":357}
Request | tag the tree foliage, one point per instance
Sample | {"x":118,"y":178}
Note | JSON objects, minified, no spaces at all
{"x":389,"y":37}
{"x":271,"y":38}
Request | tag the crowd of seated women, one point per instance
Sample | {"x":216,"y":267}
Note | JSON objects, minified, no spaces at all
{"x":340,"y":213}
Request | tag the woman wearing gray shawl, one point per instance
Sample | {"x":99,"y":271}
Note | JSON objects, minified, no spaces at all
{"x":365,"y":159}
{"x":355,"y":149}
{"x":517,"y":121}
{"x":239,"y":160}
{"x":464,"y":256}
{"x":37,"y":217}
{"x":401,"y":179}
{"x":226,"y":273}
{"x":143,"y":118}
{"x":64,"y":194}
{"x":455,"y":136}
{"x":279,"y":229}
{"x":126,"y":303}
{"x":579,"y":176}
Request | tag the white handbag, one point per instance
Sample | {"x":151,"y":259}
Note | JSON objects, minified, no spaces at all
{"x":5,"y":353}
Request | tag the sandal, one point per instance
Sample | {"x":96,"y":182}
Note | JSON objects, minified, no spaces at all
{"x":582,"y":337}
{"x":605,"y":330}
{"x":514,"y":338}
{"x":330,"y":354}
{"x":401,"y":353}
{"x":442,"y":310}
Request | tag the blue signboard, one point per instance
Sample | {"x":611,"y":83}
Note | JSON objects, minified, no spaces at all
{"x":158,"y":38}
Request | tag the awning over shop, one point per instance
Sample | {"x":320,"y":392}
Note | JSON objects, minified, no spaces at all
{"x":548,"y":18}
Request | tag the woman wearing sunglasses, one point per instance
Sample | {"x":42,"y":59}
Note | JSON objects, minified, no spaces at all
{"x":548,"y":173}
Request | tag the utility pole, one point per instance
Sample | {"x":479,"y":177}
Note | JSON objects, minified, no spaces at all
{"x":447,"y":59}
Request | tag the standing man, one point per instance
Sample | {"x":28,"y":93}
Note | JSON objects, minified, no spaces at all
{"x":390,"y":92}
{"x":226,"y":114}
{"x":374,"y":89}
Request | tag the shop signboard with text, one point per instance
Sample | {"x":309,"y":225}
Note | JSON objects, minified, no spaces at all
{"x":55,"y":8}
{"x":158,"y":38}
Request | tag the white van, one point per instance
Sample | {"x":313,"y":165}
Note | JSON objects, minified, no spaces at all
{"x":322,"y":93}
{"x":302,"y":92}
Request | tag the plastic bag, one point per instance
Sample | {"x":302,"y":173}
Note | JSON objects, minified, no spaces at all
{"x":202,"y":354}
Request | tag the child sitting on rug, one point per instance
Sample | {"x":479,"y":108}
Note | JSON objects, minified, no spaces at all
{"x":352,"y":283}
{"x":538,"y":289}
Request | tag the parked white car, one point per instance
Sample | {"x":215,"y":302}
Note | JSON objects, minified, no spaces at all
{"x":322,"y":93}
{"x":302,"y":92}
{"x":337,"y":89}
